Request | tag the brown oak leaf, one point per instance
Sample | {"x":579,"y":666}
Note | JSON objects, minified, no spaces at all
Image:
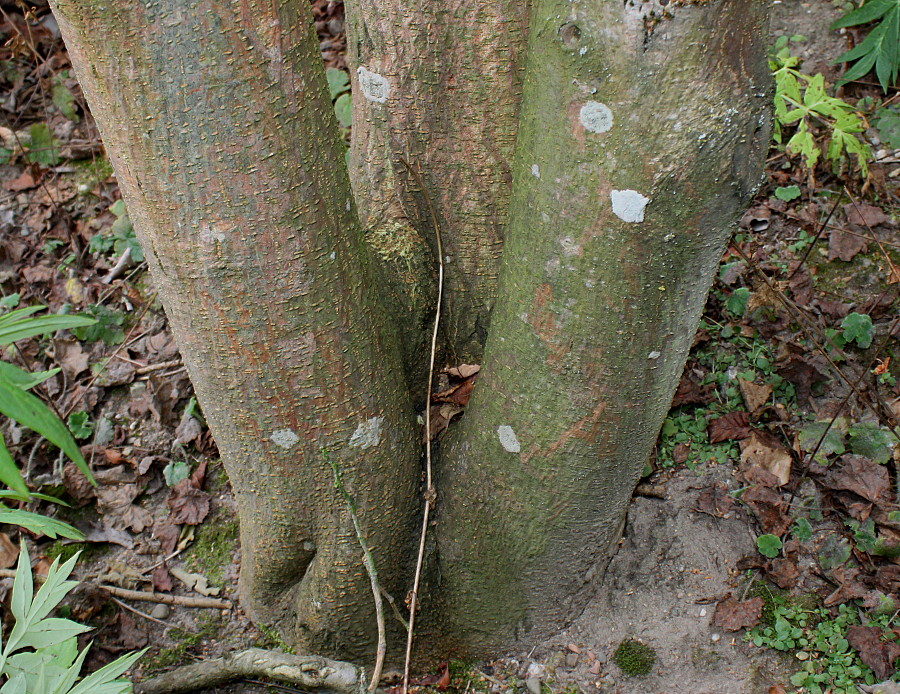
{"x":734,"y":615}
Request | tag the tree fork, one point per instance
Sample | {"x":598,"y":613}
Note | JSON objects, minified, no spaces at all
{"x":219,"y":126}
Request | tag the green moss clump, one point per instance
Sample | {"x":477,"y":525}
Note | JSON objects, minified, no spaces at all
{"x":211,"y":551}
{"x":634,"y":658}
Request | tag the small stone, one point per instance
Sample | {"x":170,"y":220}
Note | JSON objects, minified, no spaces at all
{"x":572,"y":660}
{"x":536,"y":670}
{"x":574,"y":647}
{"x":715,"y":637}
{"x":703,"y":612}
{"x":595,"y":668}
{"x":160,"y":611}
{"x":533,"y":684}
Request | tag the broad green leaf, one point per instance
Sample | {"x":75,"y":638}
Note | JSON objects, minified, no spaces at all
{"x":802,"y":530}
{"x":30,"y":412}
{"x":857,"y":327}
{"x":887,"y":122}
{"x":63,"y":99}
{"x":176,"y":471}
{"x":43,"y":148}
{"x":338,"y":81}
{"x":835,"y":551}
{"x":869,"y":12}
{"x":787,"y":193}
{"x":23,"y":379}
{"x":9,"y":472}
{"x":343,"y":109}
{"x":118,"y":208}
{"x":51,"y":632}
{"x":39,"y":524}
{"x":11,"y":331}
{"x":16,"y":685}
{"x":22,"y":590}
{"x":107,"y":674}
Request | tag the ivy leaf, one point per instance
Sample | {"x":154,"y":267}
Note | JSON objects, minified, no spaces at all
{"x":737,"y":302}
{"x":858,"y":327}
{"x":833,"y":443}
{"x":869,"y":440}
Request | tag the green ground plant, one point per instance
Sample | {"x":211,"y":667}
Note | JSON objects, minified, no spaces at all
{"x":634,"y":658}
{"x":881,"y":47}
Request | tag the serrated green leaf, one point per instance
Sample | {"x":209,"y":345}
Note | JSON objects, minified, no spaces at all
{"x":835,"y":551}
{"x":737,"y":302}
{"x":802,"y":530}
{"x":857,"y":327}
{"x":870,"y":440}
{"x":881,"y":47}
{"x":9,"y":472}
{"x":768,"y":545}
{"x":30,"y":412}
{"x":887,"y":122}
{"x":118,"y":208}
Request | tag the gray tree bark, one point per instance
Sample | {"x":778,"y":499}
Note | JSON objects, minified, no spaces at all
{"x":587,"y":160}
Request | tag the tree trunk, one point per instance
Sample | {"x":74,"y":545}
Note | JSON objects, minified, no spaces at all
{"x":607,"y":150}
{"x":218,"y":123}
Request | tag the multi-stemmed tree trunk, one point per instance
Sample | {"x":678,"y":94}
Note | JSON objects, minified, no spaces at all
{"x":586,"y":161}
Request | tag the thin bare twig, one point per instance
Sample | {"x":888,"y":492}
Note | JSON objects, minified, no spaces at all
{"x":430,"y":492}
{"x":149,"y":617}
{"x":369,"y":563}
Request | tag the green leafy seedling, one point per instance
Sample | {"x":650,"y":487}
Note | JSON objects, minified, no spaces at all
{"x":802,"y":530}
{"x":737,"y":302}
{"x":80,"y":425}
{"x":857,"y":327}
{"x":769,"y":545}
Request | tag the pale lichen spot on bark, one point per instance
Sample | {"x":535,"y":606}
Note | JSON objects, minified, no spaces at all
{"x":508,"y":438}
{"x":654,"y":355}
{"x":628,"y":205}
{"x":535,"y":170}
{"x":596,"y":117}
{"x":367,"y":434}
{"x":374,"y":87}
{"x":284,"y":438}
{"x":214,"y":232}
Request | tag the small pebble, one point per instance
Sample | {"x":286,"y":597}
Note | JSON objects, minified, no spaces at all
{"x":536,"y":670}
{"x":595,"y":668}
{"x":703,"y":612}
{"x":575,"y":648}
{"x":160,"y":611}
{"x":715,"y":637}
{"x":533,"y":684}
{"x":572,"y":660}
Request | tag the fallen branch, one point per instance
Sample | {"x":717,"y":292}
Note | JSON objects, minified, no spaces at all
{"x":307,"y":671}
{"x":146,"y":596}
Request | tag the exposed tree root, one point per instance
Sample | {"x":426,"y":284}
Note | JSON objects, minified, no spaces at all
{"x":307,"y":671}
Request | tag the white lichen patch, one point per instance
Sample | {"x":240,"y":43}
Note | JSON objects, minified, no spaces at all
{"x":214,"y":232}
{"x":508,"y":438}
{"x":374,"y":87}
{"x":596,"y":117}
{"x":367,"y":434}
{"x":284,"y":438}
{"x":628,"y":205}
{"x":654,"y":355}
{"x":535,"y":170}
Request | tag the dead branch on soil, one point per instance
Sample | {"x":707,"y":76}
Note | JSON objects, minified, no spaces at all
{"x":430,"y":492}
{"x":307,"y":671}
{"x":143,"y":595}
{"x":370,"y":569}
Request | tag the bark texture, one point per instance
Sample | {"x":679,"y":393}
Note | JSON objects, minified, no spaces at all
{"x":213,"y":113}
{"x":641,"y":141}
{"x":438,"y":84}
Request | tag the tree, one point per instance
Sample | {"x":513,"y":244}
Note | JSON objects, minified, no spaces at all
{"x":584,"y":163}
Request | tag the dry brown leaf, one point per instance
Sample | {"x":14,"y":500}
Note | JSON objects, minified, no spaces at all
{"x":783,"y":572}
{"x":77,"y":485}
{"x":715,"y":501}
{"x":9,"y":553}
{"x":734,"y":425}
{"x":680,"y":453}
{"x":859,"y":475}
{"x":769,"y":507}
{"x":463,"y":371}
{"x":189,"y":505}
{"x":765,"y":451}
{"x":70,"y":356}
{"x":162,"y":579}
{"x":863,"y":214}
{"x":845,"y":246}
{"x":755,"y":396}
{"x":115,"y":504}
{"x":877,"y":654}
{"x":21,"y":182}
{"x":734,"y":615}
